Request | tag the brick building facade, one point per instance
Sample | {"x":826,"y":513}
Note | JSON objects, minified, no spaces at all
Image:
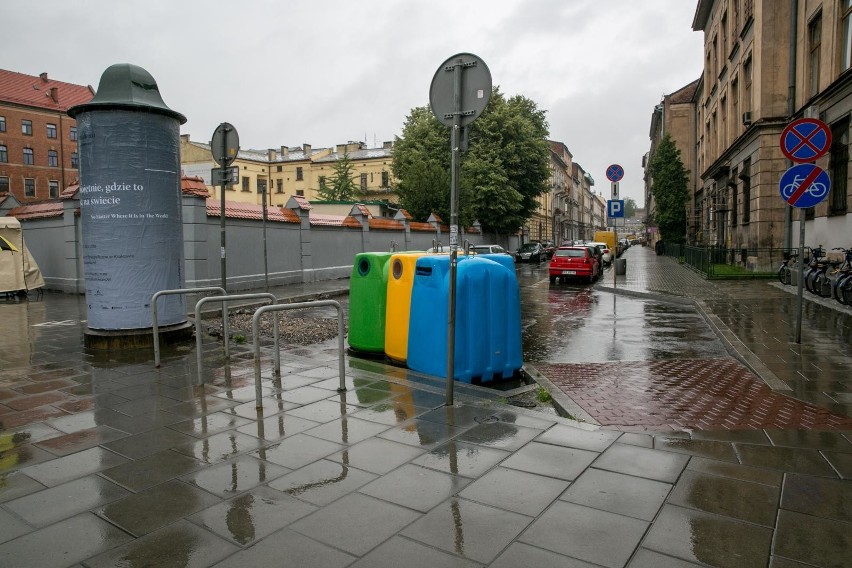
{"x":38,"y":141}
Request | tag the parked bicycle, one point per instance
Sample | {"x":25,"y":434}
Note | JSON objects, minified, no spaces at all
{"x":841,"y":284}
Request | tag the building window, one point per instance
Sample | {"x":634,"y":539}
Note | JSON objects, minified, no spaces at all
{"x":4,"y":154}
{"x":725,"y":36}
{"x":72,"y":133}
{"x":279,"y":186}
{"x":745,"y":175}
{"x":733,"y":185}
{"x":246,"y":183}
{"x":75,"y":160}
{"x":839,"y":167}
{"x":261,"y":185}
{"x":27,"y":127}
{"x":29,"y":157}
{"x":53,"y":187}
{"x":29,"y":187}
{"x":735,"y":107}
{"x":4,"y":184}
{"x":846,"y":37}
{"x":385,"y":181}
{"x":2,"y":124}
{"x":814,"y":44}
{"x":747,"y":85}
{"x":51,"y":131}
{"x":53,"y":158}
{"x":322,"y":182}
{"x":278,"y":168}
{"x":300,"y":193}
{"x":299,"y":175}
{"x":363,"y":182}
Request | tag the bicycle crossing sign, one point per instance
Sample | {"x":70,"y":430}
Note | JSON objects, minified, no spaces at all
{"x":805,"y":140}
{"x":804,"y":185}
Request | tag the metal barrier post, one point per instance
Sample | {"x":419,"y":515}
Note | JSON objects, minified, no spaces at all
{"x":154,"y":326}
{"x":224,"y":300}
{"x":255,"y":327}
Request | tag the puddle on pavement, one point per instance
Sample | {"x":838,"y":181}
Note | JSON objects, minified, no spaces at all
{"x":572,"y":324}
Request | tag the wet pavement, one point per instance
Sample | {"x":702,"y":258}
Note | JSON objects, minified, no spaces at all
{"x":107,"y":461}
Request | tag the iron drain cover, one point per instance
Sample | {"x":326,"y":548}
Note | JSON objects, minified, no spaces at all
{"x":487,"y":419}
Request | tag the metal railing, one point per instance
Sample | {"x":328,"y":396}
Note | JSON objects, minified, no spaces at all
{"x":225,"y":300}
{"x":155,"y":329}
{"x":255,"y":326}
{"x":734,"y":263}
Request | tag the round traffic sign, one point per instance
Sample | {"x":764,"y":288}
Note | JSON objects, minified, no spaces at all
{"x":225,"y":144}
{"x":475,"y":89}
{"x":614,"y":172}
{"x":804,"y":185}
{"x":806,"y":140}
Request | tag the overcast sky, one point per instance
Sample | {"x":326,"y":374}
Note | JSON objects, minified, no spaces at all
{"x":325,"y":72}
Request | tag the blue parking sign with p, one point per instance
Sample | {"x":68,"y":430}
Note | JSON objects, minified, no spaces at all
{"x":615,"y":208}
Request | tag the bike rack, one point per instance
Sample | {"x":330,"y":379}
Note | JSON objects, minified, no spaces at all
{"x":225,"y":299}
{"x":155,"y":328}
{"x":255,"y":327}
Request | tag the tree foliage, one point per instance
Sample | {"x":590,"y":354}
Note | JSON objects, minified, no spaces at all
{"x":504,"y":169}
{"x":670,"y":187}
{"x":629,"y":207}
{"x":341,"y":186}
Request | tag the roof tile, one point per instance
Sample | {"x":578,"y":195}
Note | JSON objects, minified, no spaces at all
{"x":239,"y":210}
{"x":33,"y":91}
{"x":38,"y":210}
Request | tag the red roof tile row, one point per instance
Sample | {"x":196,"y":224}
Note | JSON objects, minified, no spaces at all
{"x":194,"y":186}
{"x":239,"y":210}
{"x":44,"y":210}
{"x":417,"y":226}
{"x":385,"y":224}
{"x":39,"y":91}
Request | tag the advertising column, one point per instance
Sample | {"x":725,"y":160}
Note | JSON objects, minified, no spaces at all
{"x":130,"y":202}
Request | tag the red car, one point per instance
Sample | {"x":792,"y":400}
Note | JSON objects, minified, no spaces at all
{"x":573,"y":262}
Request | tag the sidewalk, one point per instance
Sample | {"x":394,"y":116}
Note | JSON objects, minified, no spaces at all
{"x":107,"y":461}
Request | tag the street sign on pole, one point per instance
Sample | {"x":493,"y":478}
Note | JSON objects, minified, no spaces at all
{"x":614,"y":192}
{"x":806,"y":140}
{"x":804,"y":185}
{"x":615,"y":209}
{"x":459,"y":93}
{"x":614,"y":172}
{"x":228,"y":176}
{"x":225,"y":145}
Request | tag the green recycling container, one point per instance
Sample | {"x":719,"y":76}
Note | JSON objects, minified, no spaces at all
{"x":368,"y":301}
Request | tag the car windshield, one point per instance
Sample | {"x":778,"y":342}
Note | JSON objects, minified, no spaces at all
{"x":571,"y":253}
{"x":529,"y":247}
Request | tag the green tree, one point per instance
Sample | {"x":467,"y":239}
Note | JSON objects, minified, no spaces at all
{"x":670,"y":188}
{"x":629,"y":207}
{"x":341,"y":186}
{"x":504,"y":169}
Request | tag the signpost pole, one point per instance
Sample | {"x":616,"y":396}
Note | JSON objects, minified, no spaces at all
{"x":801,"y":275}
{"x":454,"y":224}
{"x":223,"y":172}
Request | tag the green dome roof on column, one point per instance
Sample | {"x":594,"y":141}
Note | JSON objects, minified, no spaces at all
{"x":129,"y":87}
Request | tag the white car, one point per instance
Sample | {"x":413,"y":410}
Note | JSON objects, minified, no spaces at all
{"x":488,"y":249}
{"x":606,"y":254}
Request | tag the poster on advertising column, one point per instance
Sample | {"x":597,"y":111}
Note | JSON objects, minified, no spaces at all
{"x":130,"y":205}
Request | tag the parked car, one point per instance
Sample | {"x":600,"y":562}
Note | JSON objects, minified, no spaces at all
{"x":530,"y":252}
{"x":549,"y":249}
{"x":574,"y":262}
{"x":488,"y":249}
{"x":606,"y":253}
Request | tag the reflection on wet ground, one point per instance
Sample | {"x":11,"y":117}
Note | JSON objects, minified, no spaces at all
{"x":574,"y":324}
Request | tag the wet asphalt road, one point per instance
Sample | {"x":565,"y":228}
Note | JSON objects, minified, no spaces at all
{"x":578,"y":323}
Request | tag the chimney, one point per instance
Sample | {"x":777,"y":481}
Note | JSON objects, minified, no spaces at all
{"x":285,"y":151}
{"x":272,"y":154}
{"x":307,"y":149}
{"x":54,"y":94}
{"x":184,"y":138}
{"x":387,"y":145}
{"x":340,"y":148}
{"x":43,"y":77}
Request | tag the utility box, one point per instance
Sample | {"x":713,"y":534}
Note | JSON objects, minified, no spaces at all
{"x":620,"y":266}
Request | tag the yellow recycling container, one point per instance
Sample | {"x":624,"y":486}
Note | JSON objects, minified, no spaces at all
{"x":400,"y":282}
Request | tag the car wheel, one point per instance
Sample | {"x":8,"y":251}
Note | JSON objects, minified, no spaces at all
{"x":553,"y":279}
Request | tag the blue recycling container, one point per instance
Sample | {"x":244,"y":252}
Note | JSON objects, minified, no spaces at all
{"x":488,"y":319}
{"x":504,"y":259}
{"x":368,"y":301}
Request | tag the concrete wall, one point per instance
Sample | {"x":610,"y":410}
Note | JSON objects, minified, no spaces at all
{"x":296,"y":252}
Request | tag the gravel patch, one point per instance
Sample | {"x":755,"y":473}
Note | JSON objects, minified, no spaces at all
{"x":296,"y":327}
